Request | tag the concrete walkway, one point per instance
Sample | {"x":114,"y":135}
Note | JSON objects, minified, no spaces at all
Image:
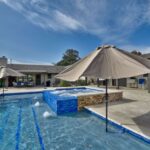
{"x":132,"y":112}
{"x":28,"y":89}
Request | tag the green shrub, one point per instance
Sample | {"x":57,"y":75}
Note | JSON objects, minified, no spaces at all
{"x":64,"y":83}
{"x":81,"y":83}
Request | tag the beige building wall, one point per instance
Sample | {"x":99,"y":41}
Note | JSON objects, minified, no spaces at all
{"x":34,"y":79}
{"x":134,"y":83}
{"x":53,"y":79}
{"x":44,"y":78}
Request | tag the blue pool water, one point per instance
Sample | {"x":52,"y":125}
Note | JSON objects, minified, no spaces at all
{"x":76,"y":91}
{"x":23,"y":127}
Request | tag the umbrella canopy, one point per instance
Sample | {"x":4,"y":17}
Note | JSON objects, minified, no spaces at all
{"x":5,"y":72}
{"x":107,"y":62}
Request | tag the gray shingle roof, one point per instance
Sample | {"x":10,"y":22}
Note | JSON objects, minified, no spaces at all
{"x":36,"y":68}
{"x":146,"y":55}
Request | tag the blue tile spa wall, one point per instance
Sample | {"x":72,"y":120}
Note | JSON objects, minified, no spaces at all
{"x":61,"y":104}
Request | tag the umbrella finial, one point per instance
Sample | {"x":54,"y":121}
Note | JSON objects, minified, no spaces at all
{"x":99,"y":47}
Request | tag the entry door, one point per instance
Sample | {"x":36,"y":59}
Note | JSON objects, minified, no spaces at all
{"x":38,"y":79}
{"x":113,"y":82}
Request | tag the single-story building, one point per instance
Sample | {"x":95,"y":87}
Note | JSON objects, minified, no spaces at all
{"x":42,"y":75}
{"x":146,"y":56}
{"x":36,"y":75}
{"x":141,"y":81}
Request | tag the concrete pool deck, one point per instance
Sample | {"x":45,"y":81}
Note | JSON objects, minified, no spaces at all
{"x":28,"y":89}
{"x":133,"y":112}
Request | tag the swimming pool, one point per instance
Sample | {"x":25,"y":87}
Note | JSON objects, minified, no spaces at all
{"x":23,"y":127}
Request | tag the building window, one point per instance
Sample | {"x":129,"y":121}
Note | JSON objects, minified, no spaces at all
{"x":133,"y":78}
{"x":30,"y":77}
{"x":145,"y":75}
{"x":49,"y":75}
{"x":20,"y":79}
{"x":27,"y":78}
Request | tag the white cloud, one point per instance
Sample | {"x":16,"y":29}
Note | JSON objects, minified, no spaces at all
{"x":111,"y":20}
{"x":66,"y":21}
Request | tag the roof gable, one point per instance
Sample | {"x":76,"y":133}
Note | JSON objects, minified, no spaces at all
{"x":36,"y":68}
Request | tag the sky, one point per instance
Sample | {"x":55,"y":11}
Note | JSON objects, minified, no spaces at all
{"x":40,"y":31}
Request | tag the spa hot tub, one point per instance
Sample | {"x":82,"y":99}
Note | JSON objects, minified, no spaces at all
{"x":66,"y":100}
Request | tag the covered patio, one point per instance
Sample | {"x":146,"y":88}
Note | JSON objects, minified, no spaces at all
{"x":36,"y":75}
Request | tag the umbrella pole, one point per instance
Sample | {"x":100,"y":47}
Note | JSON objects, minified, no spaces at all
{"x":106,"y":103}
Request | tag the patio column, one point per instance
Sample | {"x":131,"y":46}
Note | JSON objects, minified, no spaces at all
{"x":6,"y":82}
{"x":45,"y":80}
{"x":110,"y":82}
{"x":148,"y":83}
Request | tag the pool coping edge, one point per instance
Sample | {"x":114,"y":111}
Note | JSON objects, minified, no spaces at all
{"x":120,"y":126}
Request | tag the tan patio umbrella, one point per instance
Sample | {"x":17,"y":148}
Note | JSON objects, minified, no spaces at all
{"x":5,"y":72}
{"x":107,"y":62}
